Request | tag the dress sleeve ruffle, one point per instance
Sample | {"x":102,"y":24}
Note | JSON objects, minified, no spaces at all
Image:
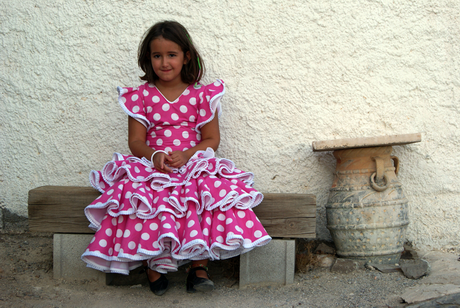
{"x":131,"y":101}
{"x":209,"y":103}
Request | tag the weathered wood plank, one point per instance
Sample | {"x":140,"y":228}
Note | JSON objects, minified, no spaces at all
{"x":59,"y":209}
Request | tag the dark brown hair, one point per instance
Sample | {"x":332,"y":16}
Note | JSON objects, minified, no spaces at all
{"x":175,"y":32}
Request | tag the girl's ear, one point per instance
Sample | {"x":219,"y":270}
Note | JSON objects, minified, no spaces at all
{"x":187,"y":57}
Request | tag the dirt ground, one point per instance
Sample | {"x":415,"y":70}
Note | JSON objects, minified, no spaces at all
{"x":26,"y":280}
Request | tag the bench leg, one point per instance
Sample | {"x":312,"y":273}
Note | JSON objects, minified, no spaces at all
{"x":273,"y":263}
{"x":67,"y":250}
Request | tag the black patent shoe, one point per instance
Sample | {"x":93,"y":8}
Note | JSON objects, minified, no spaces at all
{"x":195,"y":283}
{"x":159,"y":286}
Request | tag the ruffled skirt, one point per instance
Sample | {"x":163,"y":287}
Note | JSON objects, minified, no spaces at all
{"x":200,"y":211}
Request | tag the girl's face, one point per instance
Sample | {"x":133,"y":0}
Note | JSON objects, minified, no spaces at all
{"x":167,"y":60}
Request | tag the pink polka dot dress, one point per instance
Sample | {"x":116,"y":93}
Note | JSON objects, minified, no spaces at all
{"x":202,"y":210}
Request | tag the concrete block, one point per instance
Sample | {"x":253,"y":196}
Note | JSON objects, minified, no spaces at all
{"x":272,"y":263}
{"x":67,"y":264}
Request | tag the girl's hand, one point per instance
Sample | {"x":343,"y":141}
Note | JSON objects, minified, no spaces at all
{"x":178,"y":158}
{"x":160,"y":161}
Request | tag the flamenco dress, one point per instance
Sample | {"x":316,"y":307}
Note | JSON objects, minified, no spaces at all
{"x":202,"y":210}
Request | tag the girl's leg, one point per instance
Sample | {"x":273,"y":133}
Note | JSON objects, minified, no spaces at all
{"x":201,"y":273}
{"x":153,"y":275}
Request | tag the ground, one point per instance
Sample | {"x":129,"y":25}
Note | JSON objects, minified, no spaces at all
{"x":26,"y":280}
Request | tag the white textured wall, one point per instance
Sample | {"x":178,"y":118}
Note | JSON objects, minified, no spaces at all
{"x":296,"y":72}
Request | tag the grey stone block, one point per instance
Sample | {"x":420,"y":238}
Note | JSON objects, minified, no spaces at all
{"x":67,"y":264}
{"x":272,"y":263}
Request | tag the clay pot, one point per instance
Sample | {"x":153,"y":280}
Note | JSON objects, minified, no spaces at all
{"x":367,"y":212}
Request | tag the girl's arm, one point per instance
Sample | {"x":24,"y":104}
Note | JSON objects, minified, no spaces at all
{"x":136,"y":141}
{"x":210,"y":138}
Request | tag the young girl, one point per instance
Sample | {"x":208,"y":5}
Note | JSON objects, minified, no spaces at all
{"x":172,"y":201}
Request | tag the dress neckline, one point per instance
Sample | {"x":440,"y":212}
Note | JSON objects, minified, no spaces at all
{"x":174,"y":101}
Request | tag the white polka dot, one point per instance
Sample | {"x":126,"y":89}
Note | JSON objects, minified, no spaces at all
{"x":110,"y":251}
{"x":239,"y":229}
{"x":145,"y":92}
{"x":134,"y":97}
{"x":156,"y":116}
{"x":163,"y":218}
{"x":149,"y":109}
{"x":205,"y":231}
{"x":110,"y":192}
{"x":155,"y":245}
{"x":123,"y":99}
{"x":168,"y":149}
{"x":183,"y":109}
{"x":190,"y":223}
{"x":220,"y":239}
{"x":155,"y":99}
{"x":167,"y":226}
{"x":247,"y":242}
{"x":257,"y":234}
{"x":168,"y":133}
{"x":186,"y":92}
{"x":138,"y":227}
{"x":102,"y":243}
{"x":208,"y":220}
{"x":131,"y":245}
{"x":177,"y":225}
{"x":145,"y":236}
{"x":93,"y":239}
{"x":192,"y":119}
{"x":241,"y":214}
{"x":217,"y":83}
{"x":221,"y":217}
{"x":220,"y":228}
{"x":176,"y":142}
{"x":192,"y":143}
{"x":198,"y":137}
{"x":120,"y":219}
{"x":185,"y":134}
{"x":165,"y":107}
{"x":119,"y":233}
{"x":117,"y":247}
{"x":127,"y":196}
{"x":216,"y":183}
{"x":193,"y":233}
{"x":136,"y":169}
{"x":249,"y":224}
{"x":108,"y":232}
{"x":192,"y":101}
{"x":229,"y":221}
{"x":114,"y":221}
{"x":136,"y":109}
{"x":202,"y":112}
{"x":222,"y":193}
{"x":175,"y":117}
{"x":127,"y":233}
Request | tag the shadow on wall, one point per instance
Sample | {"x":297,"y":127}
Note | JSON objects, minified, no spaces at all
{"x":11,"y":222}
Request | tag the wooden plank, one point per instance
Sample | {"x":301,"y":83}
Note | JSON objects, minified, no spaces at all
{"x":288,"y":215}
{"x":59,"y":209}
{"x":365,"y":142}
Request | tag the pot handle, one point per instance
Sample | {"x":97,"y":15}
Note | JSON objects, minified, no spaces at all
{"x":396,"y":163}
{"x":379,"y":174}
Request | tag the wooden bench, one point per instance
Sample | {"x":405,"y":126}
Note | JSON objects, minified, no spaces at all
{"x":59,"y":210}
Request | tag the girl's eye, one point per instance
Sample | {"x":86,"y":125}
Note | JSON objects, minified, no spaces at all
{"x":172,"y":55}
{"x":156,"y":56}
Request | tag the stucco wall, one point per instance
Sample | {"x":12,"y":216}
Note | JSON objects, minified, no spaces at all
{"x":296,"y":72}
